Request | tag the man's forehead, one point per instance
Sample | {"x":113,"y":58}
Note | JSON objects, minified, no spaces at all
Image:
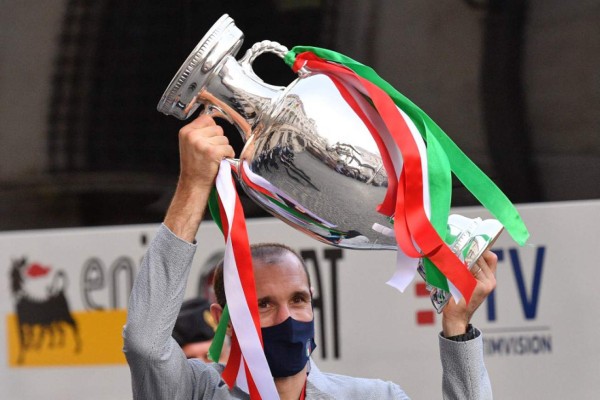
{"x":287,"y":267}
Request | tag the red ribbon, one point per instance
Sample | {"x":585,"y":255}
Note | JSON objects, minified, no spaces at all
{"x":243,"y":260}
{"x":387,"y":206}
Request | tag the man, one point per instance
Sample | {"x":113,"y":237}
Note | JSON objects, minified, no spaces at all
{"x":159,"y":368}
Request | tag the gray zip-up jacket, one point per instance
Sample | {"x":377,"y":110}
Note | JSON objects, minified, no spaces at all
{"x":160,"y":370}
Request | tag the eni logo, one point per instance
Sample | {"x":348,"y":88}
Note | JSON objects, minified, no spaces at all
{"x":41,"y":318}
{"x":44,"y":331}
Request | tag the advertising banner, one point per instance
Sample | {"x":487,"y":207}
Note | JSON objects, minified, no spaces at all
{"x":64,"y":297}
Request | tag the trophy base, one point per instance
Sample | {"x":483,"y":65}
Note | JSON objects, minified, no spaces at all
{"x":468,"y":239}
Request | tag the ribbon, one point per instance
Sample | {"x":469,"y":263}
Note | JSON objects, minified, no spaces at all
{"x":443,"y":157}
{"x":479,"y":184}
{"x":411,"y":221}
{"x":392,"y":160}
{"x":240,"y":291}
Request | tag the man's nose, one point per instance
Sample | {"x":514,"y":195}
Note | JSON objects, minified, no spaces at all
{"x":283,"y":313}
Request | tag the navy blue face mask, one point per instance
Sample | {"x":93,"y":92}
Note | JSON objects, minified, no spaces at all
{"x":288,"y":346}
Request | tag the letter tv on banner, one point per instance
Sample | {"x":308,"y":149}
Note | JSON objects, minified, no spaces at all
{"x":64,"y":297}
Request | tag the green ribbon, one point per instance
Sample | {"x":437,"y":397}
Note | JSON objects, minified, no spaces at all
{"x":440,"y":193}
{"x":214,"y":351}
{"x":216,"y":347}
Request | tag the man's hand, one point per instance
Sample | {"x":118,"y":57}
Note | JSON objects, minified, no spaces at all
{"x":202,"y":146}
{"x":456,"y":317}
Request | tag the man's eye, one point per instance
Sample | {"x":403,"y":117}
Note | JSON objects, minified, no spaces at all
{"x":263,"y":304}
{"x":299,"y":299}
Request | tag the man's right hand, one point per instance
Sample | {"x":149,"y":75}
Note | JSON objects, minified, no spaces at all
{"x":202,"y":147}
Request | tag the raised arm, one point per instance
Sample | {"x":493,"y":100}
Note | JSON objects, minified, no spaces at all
{"x":159,"y":369}
{"x":202,"y":146}
{"x":461,"y":345}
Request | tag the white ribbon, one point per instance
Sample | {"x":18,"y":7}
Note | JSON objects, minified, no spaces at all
{"x":241,"y":319}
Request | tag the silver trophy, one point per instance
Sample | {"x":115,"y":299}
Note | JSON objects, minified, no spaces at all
{"x":308,"y":159}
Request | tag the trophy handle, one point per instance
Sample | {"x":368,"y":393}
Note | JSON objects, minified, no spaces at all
{"x":266,"y":46}
{"x":263,"y":47}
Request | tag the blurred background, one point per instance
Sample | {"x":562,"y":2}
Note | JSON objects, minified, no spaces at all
{"x":516,"y":84}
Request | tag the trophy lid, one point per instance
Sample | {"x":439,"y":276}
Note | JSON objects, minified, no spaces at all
{"x":222,"y":39}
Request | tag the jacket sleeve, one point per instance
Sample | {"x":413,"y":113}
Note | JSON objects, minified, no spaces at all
{"x":159,"y":368}
{"x":464,"y":375}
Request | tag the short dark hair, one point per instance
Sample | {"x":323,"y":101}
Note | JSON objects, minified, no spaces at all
{"x":268,"y":253}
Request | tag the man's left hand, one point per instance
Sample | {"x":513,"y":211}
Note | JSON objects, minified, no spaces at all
{"x":456,"y":316}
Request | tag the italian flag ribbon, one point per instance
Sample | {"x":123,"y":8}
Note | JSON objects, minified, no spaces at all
{"x":419,"y":221}
{"x":247,"y":366}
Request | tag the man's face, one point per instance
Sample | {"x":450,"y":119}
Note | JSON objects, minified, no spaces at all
{"x":282,"y":291}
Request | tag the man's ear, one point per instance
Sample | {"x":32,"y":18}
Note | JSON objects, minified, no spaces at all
{"x":217,"y":312}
